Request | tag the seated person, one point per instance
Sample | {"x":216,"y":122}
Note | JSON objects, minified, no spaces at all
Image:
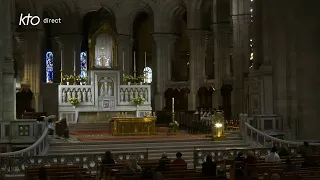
{"x":290,"y":167}
{"x":146,"y":174}
{"x":209,"y":168}
{"x":179,"y":160}
{"x":284,"y":152}
{"x":251,"y":159}
{"x":42,"y":174}
{"x":273,"y":156}
{"x":134,"y":164}
{"x":163,"y":163}
{"x":127,"y":170}
{"x":107,"y":158}
{"x":158,"y":176}
{"x":51,"y":126}
{"x":240,"y":157}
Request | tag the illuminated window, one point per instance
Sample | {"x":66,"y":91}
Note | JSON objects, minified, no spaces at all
{"x":83,"y":65}
{"x":147,"y":71}
{"x":49,"y":67}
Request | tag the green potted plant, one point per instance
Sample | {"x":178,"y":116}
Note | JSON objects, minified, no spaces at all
{"x":74,"y":102}
{"x":83,"y":80}
{"x":140,"y":79}
{"x":66,"y":79}
{"x":128,"y":79}
{"x":174,"y":126}
{"x":138,"y":101}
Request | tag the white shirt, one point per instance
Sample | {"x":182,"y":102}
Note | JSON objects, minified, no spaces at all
{"x":272,"y":157}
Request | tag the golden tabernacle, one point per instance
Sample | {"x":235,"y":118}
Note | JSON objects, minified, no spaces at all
{"x":128,"y":126}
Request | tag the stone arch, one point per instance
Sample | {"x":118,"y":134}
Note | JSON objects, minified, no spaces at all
{"x":172,"y":10}
{"x":56,"y":9}
{"x":205,"y":97}
{"x":85,"y":6}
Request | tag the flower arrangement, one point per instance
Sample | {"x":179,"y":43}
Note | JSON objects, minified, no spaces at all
{"x":84,"y":79}
{"x":74,"y":101}
{"x":174,"y":125}
{"x":78,"y":78}
{"x":66,"y":78}
{"x":128,"y":79}
{"x":138,"y":100}
{"x":140,"y":78}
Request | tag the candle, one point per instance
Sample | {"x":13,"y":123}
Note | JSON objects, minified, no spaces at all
{"x":74,"y":61}
{"x":172,"y":104}
{"x":134,"y":61}
{"x":123,"y":61}
{"x":145,"y":59}
{"x":61,"y":60}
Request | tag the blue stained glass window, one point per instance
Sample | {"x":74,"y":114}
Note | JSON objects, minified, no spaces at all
{"x":83,"y":64}
{"x":49,"y":67}
{"x":147,"y":71}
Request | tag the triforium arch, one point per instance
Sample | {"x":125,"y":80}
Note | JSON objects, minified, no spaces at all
{"x":205,"y":97}
{"x":180,"y":96}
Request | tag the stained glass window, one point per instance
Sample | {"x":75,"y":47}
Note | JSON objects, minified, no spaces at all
{"x":49,"y":67}
{"x":147,"y":71}
{"x":83,"y":65}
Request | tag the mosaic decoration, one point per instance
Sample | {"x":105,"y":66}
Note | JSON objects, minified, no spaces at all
{"x":49,"y":67}
{"x":83,"y":65}
{"x":147,"y":71}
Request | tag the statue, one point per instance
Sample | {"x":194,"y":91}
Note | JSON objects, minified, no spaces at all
{"x":108,"y":63}
{"x":110,"y":89}
{"x":69,"y":95}
{"x":131,"y":95}
{"x":74,"y":94}
{"x":102,"y":90}
{"x":79,"y":95}
{"x":136,"y":94}
{"x":64,"y":96}
{"x":84,"y":95}
{"x":126,"y":96}
{"x":104,"y":51}
{"x":89,"y":96}
{"x":121,"y":96}
{"x":146,"y":94}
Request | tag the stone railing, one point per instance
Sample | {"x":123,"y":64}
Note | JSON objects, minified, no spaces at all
{"x":249,"y":133}
{"x":128,"y":92}
{"x":267,"y":123}
{"x":37,"y":148}
{"x":84,"y":93}
{"x":21,"y":131}
{"x":17,"y":165}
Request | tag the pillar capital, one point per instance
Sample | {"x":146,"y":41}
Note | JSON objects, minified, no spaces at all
{"x":163,"y":38}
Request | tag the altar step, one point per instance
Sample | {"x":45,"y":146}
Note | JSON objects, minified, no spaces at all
{"x":88,"y":126}
{"x":154,"y":147}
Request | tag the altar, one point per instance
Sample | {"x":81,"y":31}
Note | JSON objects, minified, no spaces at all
{"x":103,"y":94}
{"x":128,"y":126}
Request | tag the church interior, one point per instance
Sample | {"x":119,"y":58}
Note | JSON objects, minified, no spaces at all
{"x":103,"y":73}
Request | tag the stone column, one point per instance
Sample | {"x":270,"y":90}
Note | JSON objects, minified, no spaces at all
{"x":68,"y":44}
{"x":197,"y":62}
{"x":125,"y":43}
{"x":2,"y":21}
{"x":33,"y":67}
{"x":241,"y":49}
{"x":164,"y":53}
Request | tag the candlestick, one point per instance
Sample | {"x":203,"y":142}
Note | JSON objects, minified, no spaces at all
{"x":123,"y":62}
{"x":61,"y":61}
{"x":145,"y":59}
{"x":74,"y":61}
{"x":61,"y":77}
{"x":74,"y":80}
{"x":172,"y":104}
{"x":134,"y":61}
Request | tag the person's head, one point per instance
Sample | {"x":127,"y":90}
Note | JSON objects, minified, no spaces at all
{"x":158,"y":176}
{"x":240,"y":154}
{"x":108,"y":155}
{"x":275,"y":176}
{"x":134,"y":163}
{"x":164,"y":155}
{"x":179,"y":155}
{"x":42,"y":173}
{"x":288,"y":161}
{"x":209,"y":158}
{"x":274,"y":149}
{"x":127,"y":164}
{"x":306,"y":144}
{"x":250,"y":154}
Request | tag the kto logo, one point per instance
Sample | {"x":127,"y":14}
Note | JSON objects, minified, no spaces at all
{"x":35,"y":20}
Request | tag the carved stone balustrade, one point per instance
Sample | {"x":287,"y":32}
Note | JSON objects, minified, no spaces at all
{"x":84,"y":93}
{"x":128,"y":92}
{"x":21,"y":131}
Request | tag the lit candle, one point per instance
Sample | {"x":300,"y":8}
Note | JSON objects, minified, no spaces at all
{"x":74,"y":61}
{"x":61,"y":60}
{"x":134,"y":61}
{"x":145,"y":59}
{"x":123,"y":61}
{"x":172,"y":104}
